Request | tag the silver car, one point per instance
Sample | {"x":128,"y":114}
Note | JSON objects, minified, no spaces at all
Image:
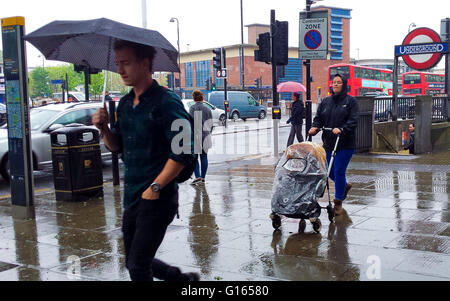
{"x":43,"y":121}
{"x":218,"y":115}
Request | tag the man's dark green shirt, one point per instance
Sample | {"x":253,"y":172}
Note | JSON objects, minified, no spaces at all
{"x":146,"y":135}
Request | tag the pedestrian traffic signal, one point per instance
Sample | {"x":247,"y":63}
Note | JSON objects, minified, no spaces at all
{"x":276,"y":112}
{"x":263,"y":53}
{"x":280,"y":43}
{"x":217,"y":60}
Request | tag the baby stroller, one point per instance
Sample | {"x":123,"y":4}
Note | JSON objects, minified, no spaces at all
{"x":301,"y":177}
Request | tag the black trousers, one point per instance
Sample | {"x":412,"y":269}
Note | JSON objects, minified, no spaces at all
{"x":296,"y":130}
{"x":144,"y":226}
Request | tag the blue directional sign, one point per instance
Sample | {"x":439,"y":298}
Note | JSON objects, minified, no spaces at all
{"x":57,"y":82}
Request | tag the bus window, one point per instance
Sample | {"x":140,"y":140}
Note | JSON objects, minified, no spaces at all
{"x":364,"y":73}
{"x":412,"y":91}
{"x":411,"y":79}
{"x":357,"y":72}
{"x":344,"y":71}
{"x":389,"y":77}
{"x":371,"y":74}
{"x":378,"y":75}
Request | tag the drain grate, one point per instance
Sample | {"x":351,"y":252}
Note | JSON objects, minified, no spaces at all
{"x":6,"y":266}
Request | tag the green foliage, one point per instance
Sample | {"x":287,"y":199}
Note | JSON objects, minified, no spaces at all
{"x":40,"y":82}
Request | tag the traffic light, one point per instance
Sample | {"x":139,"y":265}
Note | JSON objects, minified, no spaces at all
{"x":257,"y":82}
{"x":280,"y":43}
{"x":263,"y":53}
{"x":213,"y":87}
{"x":217,"y":60}
{"x":207,"y":84}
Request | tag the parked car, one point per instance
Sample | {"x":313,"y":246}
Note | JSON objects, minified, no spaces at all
{"x":2,"y":114}
{"x":383,"y":109}
{"x":242,"y":105}
{"x":218,"y":115}
{"x":115,"y":95}
{"x":376,"y":94}
{"x":72,"y":96}
{"x":44,"y":120}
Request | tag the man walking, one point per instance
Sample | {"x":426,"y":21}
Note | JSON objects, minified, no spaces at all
{"x":143,"y":135}
{"x":296,"y":120}
{"x":410,"y":144}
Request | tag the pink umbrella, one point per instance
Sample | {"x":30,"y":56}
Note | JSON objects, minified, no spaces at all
{"x":291,"y":87}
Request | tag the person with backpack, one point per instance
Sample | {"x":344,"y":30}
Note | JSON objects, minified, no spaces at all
{"x":340,"y":113}
{"x":202,"y":135}
{"x":152,"y":161}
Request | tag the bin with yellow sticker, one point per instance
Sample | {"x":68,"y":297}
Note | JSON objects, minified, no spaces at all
{"x":77,"y":163}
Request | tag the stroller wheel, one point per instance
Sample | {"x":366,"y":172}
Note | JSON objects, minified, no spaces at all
{"x":301,"y":226}
{"x":276,"y":221}
{"x":330,"y":211}
{"x":317,"y":225}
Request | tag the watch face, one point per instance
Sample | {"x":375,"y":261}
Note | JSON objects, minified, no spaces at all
{"x":155,"y":187}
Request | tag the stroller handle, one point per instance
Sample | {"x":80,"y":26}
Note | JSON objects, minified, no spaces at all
{"x":319,"y":129}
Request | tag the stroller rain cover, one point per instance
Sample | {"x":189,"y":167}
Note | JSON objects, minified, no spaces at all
{"x":300,"y":179}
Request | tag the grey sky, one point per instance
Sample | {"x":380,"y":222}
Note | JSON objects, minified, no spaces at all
{"x":376,"y":26}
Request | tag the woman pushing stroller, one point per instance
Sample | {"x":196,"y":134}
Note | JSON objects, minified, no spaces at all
{"x":339,"y":112}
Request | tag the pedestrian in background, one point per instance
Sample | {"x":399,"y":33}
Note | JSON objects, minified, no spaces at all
{"x":202,"y":132}
{"x":107,"y":97}
{"x":410,"y":144}
{"x":339,"y":112}
{"x":143,"y":134}
{"x":296,"y":119}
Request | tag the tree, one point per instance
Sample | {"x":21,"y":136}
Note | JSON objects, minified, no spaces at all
{"x":40,"y":82}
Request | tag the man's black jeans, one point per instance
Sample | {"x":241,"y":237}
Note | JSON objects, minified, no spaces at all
{"x":144,"y":226}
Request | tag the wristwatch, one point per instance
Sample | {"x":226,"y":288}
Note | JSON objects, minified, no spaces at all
{"x":155,"y":187}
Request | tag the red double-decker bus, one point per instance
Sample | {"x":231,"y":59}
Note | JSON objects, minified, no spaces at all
{"x":422,"y":83}
{"x":362,"y":80}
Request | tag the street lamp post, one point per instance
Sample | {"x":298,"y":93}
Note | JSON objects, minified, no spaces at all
{"x":411,"y":25}
{"x":178,"y":44}
{"x":43,"y":58}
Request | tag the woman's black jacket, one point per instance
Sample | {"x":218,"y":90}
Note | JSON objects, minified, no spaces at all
{"x":338,"y":111}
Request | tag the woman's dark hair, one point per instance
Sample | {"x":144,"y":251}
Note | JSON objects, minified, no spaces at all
{"x":140,"y":51}
{"x":197,"y":95}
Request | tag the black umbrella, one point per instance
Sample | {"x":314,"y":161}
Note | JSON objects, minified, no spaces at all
{"x":91,"y":43}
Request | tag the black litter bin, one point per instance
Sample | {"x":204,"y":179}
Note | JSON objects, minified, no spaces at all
{"x":77,"y":163}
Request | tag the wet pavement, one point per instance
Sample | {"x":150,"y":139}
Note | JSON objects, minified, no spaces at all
{"x":396,"y":226}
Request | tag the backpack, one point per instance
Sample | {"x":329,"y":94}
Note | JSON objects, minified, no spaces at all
{"x":188,"y":170}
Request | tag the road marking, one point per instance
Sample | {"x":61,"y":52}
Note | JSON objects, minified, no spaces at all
{"x":7,"y":196}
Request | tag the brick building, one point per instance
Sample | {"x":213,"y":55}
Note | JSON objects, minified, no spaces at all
{"x":197,"y":66}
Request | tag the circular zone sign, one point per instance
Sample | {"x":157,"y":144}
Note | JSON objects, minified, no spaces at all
{"x":313,"y":39}
{"x":421,"y":36}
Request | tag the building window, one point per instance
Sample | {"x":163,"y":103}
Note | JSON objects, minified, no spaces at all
{"x":202,"y":72}
{"x":292,"y":72}
{"x":189,"y":74}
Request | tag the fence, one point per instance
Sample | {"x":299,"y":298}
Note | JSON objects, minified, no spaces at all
{"x":406,"y":108}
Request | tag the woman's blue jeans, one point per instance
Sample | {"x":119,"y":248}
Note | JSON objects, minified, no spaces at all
{"x":338,"y":170}
{"x":204,"y":168}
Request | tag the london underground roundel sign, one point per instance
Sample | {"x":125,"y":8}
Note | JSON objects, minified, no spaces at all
{"x":422,"y":61}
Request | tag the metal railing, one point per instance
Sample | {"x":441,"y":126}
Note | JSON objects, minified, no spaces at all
{"x":406,"y":108}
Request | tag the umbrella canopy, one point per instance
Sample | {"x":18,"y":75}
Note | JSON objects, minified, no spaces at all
{"x":291,"y":87}
{"x":91,"y":42}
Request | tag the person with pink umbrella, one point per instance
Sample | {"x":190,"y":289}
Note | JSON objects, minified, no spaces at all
{"x":296,"y":119}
